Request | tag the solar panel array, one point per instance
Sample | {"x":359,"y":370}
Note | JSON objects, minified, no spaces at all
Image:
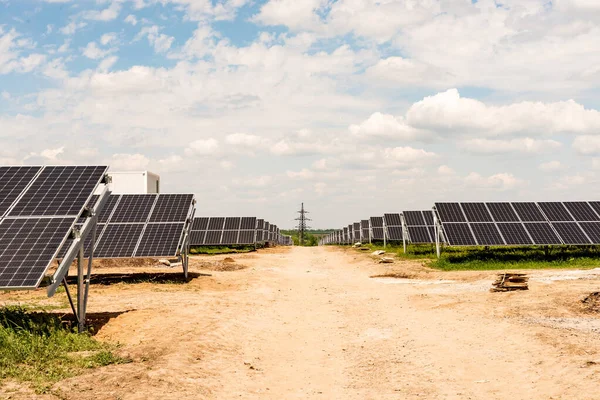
{"x":39,"y":207}
{"x":419,"y":225}
{"x":229,"y":231}
{"x":142,"y":225}
{"x":376,"y":227}
{"x":393,"y":227}
{"x":520,"y":223}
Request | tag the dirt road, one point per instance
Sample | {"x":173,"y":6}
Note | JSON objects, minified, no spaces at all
{"x":310,"y":323}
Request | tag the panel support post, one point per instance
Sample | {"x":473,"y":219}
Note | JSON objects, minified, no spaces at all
{"x":436,"y":228}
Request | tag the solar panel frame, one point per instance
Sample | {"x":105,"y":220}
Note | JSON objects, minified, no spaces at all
{"x":542,"y":233}
{"x":459,"y":234}
{"x":118,"y":240}
{"x":487,"y":234}
{"x":571,"y":233}
{"x":200,"y":224}
{"x":502,"y":212}
{"x":172,"y":207}
{"x":376,"y":222}
{"x":528,"y":212}
{"x":160,"y":240}
{"x":450,"y":212}
{"x":133,"y":208}
{"x":555,"y":211}
{"x":392,"y":219}
{"x":581,"y":211}
{"x":13,"y":182}
{"x":414,"y":218}
{"x":592,"y":230}
{"x":419,"y":234}
{"x":476,"y":212}
{"x":514,"y":233}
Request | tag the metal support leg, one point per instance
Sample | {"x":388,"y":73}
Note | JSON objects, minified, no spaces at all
{"x":80,"y":292}
{"x":70,"y":299}
{"x":436,"y":229}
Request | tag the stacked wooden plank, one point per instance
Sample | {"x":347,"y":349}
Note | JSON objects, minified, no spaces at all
{"x":507,"y":282}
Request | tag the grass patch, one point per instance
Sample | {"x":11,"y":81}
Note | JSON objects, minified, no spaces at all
{"x":221,"y":250}
{"x":499,"y":258}
{"x":42,"y":349}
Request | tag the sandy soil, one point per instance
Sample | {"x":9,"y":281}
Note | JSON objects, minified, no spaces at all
{"x":310,"y":323}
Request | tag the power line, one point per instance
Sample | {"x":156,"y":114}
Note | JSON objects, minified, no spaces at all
{"x":302,"y":227}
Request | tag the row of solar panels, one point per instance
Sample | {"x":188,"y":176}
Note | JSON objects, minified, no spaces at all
{"x":412,"y":226}
{"x":228,"y":231}
{"x":484,"y":224}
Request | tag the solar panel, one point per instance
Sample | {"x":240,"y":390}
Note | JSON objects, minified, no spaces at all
{"x":246,"y":237}
{"x":502,"y":212}
{"x":476,"y":212}
{"x":172,"y":208}
{"x":230,"y":237}
{"x":376,"y":222}
{"x":13,"y":181}
{"x":581,"y":210}
{"x":595,"y":205}
{"x":394,"y":232}
{"x":392,"y":219}
{"x":459,"y":234}
{"x":197,"y":238}
{"x":377,"y":233}
{"x":571,"y":233}
{"x":27,"y":247}
{"x":541,"y":233}
{"x":216,"y":223}
{"x":428,"y":215}
{"x":528,"y":212}
{"x":118,"y":241}
{"x":59,"y":191}
{"x":159,"y":240}
{"x":248,"y":223}
{"x":200,"y":224}
{"x":232,"y":223}
{"x":213,"y":237}
{"x":414,"y":218}
{"x":592,"y":229}
{"x":133,"y":208}
{"x":487,"y":234}
{"x":555,"y":211}
{"x":450,"y":212}
{"x":108,"y":208}
{"x":419,"y":234}
{"x":514,"y":233}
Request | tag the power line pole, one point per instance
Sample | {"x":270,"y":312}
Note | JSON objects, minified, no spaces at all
{"x":302,"y":227}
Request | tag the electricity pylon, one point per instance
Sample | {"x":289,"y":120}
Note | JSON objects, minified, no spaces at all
{"x":302,"y":227}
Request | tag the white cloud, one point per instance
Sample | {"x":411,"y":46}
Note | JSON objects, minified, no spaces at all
{"x":385,"y":126}
{"x":445,"y":170}
{"x":52,"y":154}
{"x":72,"y":27}
{"x":11,"y":59}
{"x":108,"y":14}
{"x":302,"y":174}
{"x":128,"y":162}
{"x":551,"y":166}
{"x":521,"y":145}
{"x":131,"y":19}
{"x":107,"y":63}
{"x":202,"y":147}
{"x":160,"y":41}
{"x":450,"y":112}
{"x":244,"y":140}
{"x":587,"y":144}
{"x":94,"y":52}
{"x":108,"y":38}
{"x":501,"y":181}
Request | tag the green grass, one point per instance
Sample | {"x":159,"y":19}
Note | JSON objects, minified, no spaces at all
{"x":221,"y":250}
{"x":499,"y":258}
{"x":39,"y":348}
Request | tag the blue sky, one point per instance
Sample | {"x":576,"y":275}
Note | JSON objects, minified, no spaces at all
{"x":355,"y":107}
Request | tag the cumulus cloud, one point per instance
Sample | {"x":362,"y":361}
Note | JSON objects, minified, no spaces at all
{"x":72,"y":27}
{"x":521,"y":145}
{"x":94,"y":52}
{"x":202,"y":147}
{"x":551,"y":166}
{"x":449,"y":112}
{"x":11,"y":59}
{"x":385,"y":126}
{"x":128,"y":162}
{"x":587,"y":144}
{"x":302,"y":174}
{"x":131,"y":19}
{"x":501,"y":181}
{"x":243,"y":139}
{"x":108,"y":14}
{"x":159,"y":41}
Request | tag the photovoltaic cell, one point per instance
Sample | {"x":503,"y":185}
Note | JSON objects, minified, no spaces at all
{"x":595,"y":205}
{"x":555,"y":211}
{"x":450,"y":212}
{"x":570,"y":233}
{"x":487,"y":234}
{"x":159,"y":240}
{"x":414,"y":218}
{"x":59,"y":191}
{"x":13,"y":181}
{"x":118,"y":240}
{"x":476,"y":212}
{"x":428,"y":215}
{"x":541,"y":233}
{"x":197,"y":238}
{"x":581,"y":210}
{"x":502,"y":212}
{"x":248,"y":223}
{"x":419,"y":234}
{"x":133,"y":208}
{"x":108,"y":208}
{"x":172,"y":208}
{"x":27,"y":246}
{"x":514,"y":233}
{"x":232,"y":223}
{"x":528,"y":212}
{"x":459,"y":234}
